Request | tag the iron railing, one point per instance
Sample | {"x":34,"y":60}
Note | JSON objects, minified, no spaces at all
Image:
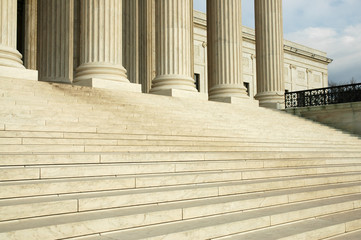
{"x":324,"y":96}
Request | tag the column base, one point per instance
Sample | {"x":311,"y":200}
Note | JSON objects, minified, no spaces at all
{"x":274,"y":100}
{"x":10,"y":57}
{"x":167,"y":82}
{"x":182,"y":94}
{"x":239,"y":101}
{"x":18,"y":73}
{"x":106,"y":71}
{"x":227,"y":91}
{"x":109,"y":84}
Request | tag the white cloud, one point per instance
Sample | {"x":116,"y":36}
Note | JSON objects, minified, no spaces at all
{"x":343,"y":46}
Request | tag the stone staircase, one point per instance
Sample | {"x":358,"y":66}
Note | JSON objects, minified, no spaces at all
{"x":80,"y":163}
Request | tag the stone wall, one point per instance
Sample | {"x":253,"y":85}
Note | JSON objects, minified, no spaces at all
{"x":346,"y":116}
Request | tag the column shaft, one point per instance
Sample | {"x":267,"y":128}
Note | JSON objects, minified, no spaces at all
{"x":101,"y":41}
{"x":131,"y":39}
{"x":146,"y":43}
{"x":56,"y":19}
{"x":224,"y":33}
{"x":31,"y":21}
{"x":173,"y":46}
{"x":9,"y":56}
{"x":269,"y":51}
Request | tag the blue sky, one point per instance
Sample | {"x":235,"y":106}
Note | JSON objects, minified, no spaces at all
{"x":333,"y":26}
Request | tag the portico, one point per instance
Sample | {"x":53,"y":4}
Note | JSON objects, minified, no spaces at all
{"x":89,"y":43}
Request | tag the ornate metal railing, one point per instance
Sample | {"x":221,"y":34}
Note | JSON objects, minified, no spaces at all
{"x":324,"y":96}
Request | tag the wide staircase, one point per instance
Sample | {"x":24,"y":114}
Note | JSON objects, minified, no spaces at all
{"x":80,"y":163}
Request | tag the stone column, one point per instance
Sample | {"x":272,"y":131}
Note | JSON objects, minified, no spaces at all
{"x":31,"y":21}
{"x":269,"y":51}
{"x":56,"y":24}
{"x":131,"y":39}
{"x":173,"y":47}
{"x":192,"y":38}
{"x":101,"y":46}
{"x":224,"y":33}
{"x":146,"y":43}
{"x":9,"y":56}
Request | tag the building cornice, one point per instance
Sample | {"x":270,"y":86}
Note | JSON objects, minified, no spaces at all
{"x":249,"y":36}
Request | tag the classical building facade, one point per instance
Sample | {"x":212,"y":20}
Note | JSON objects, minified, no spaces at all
{"x":304,"y":67}
{"x":157,"y":46}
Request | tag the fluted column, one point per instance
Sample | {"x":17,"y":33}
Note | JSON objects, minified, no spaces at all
{"x":101,"y":41}
{"x":131,"y":39}
{"x":9,"y":56}
{"x":146,"y":43}
{"x":269,"y":51}
{"x":56,"y":24}
{"x":173,"y":46}
{"x":31,"y":21}
{"x":224,"y":33}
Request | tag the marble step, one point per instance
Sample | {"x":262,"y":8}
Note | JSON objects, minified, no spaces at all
{"x":155,"y":133}
{"x":343,"y":225}
{"x":119,"y":109}
{"x":74,"y":91}
{"x":118,"y":139}
{"x":16,"y":137}
{"x":131,"y":112}
{"x":203,"y":116}
{"x":230,"y":182}
{"x":220,"y":225}
{"x":108,"y":116}
{"x":87,"y":114}
{"x":146,"y":101}
{"x":209,"y":202}
{"x":105,"y":145}
{"x":42,"y":135}
{"x":113,"y":102}
{"x":70,"y":148}
{"x":120,"y":129}
{"x":247,"y":170}
{"x":88,"y":92}
{"x":92,"y":119}
{"x":269,"y":159}
{"x":353,"y":235}
{"x":147,"y":96}
{"x":147,"y":123}
{"x":167,"y":142}
{"x":117,"y":136}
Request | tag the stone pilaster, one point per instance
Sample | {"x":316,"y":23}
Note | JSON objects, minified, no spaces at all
{"x":173,"y":46}
{"x":31,"y":22}
{"x":269,"y":51}
{"x":56,"y":20}
{"x":9,"y":56}
{"x":131,"y":39}
{"x":224,"y":33}
{"x":101,"y":46}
